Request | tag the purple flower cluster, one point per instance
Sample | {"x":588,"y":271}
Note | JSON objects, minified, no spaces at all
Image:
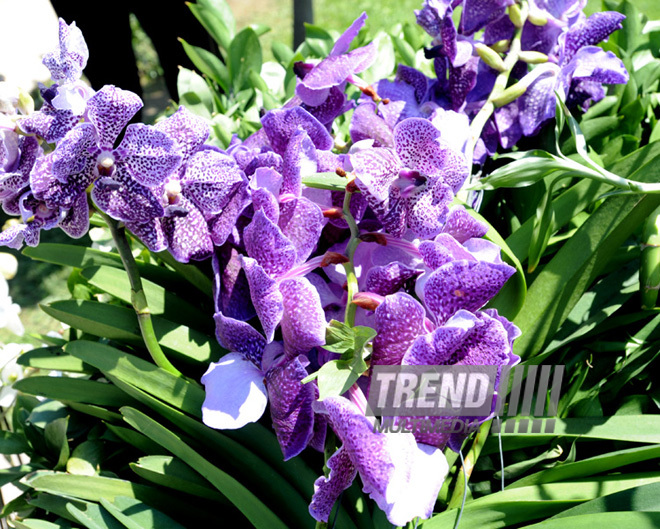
{"x":286,"y":255}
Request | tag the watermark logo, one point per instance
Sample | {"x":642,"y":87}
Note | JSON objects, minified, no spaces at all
{"x":457,"y":398}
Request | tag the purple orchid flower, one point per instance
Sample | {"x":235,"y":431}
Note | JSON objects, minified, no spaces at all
{"x":200,"y":188}
{"x":241,"y":384}
{"x":123,"y":175}
{"x":340,"y":66}
{"x":412,"y":184}
{"x":401,"y":475}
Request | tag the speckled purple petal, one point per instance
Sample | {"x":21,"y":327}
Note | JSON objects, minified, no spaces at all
{"x":240,"y":337}
{"x":235,"y":393}
{"x":76,"y":222}
{"x":427,"y":208}
{"x":188,"y":130}
{"x":462,"y":80}
{"x":465,"y":285}
{"x":418,"y":146}
{"x":507,"y":121}
{"x":303,"y":320}
{"x":442,"y":250}
{"x":594,"y":64}
{"x":263,"y":200}
{"x":313,"y":89}
{"x":211,"y":179}
{"x":477,"y":13}
{"x":188,"y":237}
{"x":402,"y":101}
{"x":150,"y":233}
{"x":432,"y":14}
{"x":332,"y":106}
{"x":463,"y":226}
{"x":69,"y":59}
{"x":76,"y":153}
{"x":560,"y":9}
{"x":343,"y":43}
{"x":367,"y":124}
{"x":280,"y":124}
{"x":399,"y":320}
{"x":265,"y":159}
{"x":129,"y":202}
{"x":266,"y":297}
{"x":301,"y":221}
{"x":265,"y":242}
{"x":375,"y":171}
{"x":388,"y":279}
{"x":327,"y":490}
{"x":49,"y":123}
{"x":13,"y":236}
{"x":148,"y":153}
{"x":232,"y":291}
{"x":590,"y":32}
{"x":110,"y":110}
{"x":223,"y":224}
{"x":299,"y":160}
{"x":537,"y":104}
{"x":291,"y":407}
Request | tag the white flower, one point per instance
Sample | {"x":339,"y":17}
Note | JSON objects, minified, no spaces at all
{"x":9,"y":310}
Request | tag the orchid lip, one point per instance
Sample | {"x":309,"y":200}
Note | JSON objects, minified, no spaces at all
{"x":105,"y":164}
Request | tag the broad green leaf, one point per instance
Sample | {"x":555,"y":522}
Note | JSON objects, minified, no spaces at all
{"x":86,"y":458}
{"x":161,"y":302}
{"x":134,"y":514}
{"x":120,"y":323}
{"x":31,"y":523}
{"x":171,"y":472}
{"x":213,"y":24}
{"x":190,"y":273}
{"x":561,"y":283}
{"x":57,"y":505}
{"x":253,"y":509}
{"x":93,"y":488}
{"x":335,"y":378}
{"x":223,"y":11}
{"x":251,"y":452}
{"x":57,"y":441}
{"x":74,"y":390}
{"x":94,"y":411}
{"x":133,"y":370}
{"x":282,"y":53}
{"x":194,"y":93}
{"x":384,"y":66}
{"x":525,"y":170}
{"x":12,"y":443}
{"x":7,"y":475}
{"x":640,"y":499}
{"x":591,"y":466}
{"x":516,"y":506}
{"x":82,"y":257}
{"x":93,"y":516}
{"x":620,"y":520}
{"x":136,"y":439}
{"x":53,"y":359}
{"x":244,"y":56}
{"x":208,"y":64}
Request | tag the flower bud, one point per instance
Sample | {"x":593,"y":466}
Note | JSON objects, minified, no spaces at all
{"x":537,"y":18}
{"x":501,"y":46}
{"x":490,"y":57}
{"x":510,"y":94}
{"x":533,"y":57}
{"x":517,"y":14}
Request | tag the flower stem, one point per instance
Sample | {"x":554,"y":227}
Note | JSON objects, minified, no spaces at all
{"x":138,"y":297}
{"x":351,"y":279}
{"x":468,"y":466}
{"x":482,"y":117}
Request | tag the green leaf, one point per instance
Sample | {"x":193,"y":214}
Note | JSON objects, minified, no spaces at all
{"x":194,"y":93}
{"x":620,"y":520}
{"x":134,"y":514}
{"x":120,"y":323}
{"x":161,"y":302}
{"x":135,"y":439}
{"x":53,"y":359}
{"x":590,"y":466}
{"x":57,"y":441}
{"x":384,"y":66}
{"x":7,"y":475}
{"x":74,"y":390}
{"x":93,"y":488}
{"x":12,"y":443}
{"x":561,"y":283}
{"x":85,"y":459}
{"x":526,"y":169}
{"x":140,"y":373}
{"x":82,"y":257}
{"x":93,"y":516}
{"x":171,"y":472}
{"x":208,"y":64}
{"x":215,"y":22}
{"x":282,"y":53}
{"x":253,"y":509}
{"x":30,"y":523}
{"x":244,"y":57}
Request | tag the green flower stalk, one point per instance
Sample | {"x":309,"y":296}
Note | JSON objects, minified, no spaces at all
{"x":649,"y":273}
